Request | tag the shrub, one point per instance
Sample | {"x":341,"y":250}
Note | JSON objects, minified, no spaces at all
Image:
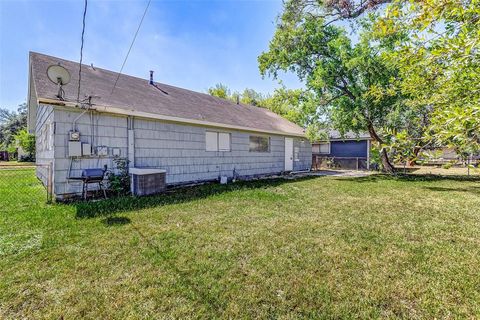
{"x":119,"y":183}
{"x":447,"y":165}
{"x":27,"y":158}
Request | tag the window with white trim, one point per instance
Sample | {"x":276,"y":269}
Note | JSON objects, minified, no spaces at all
{"x":217,"y":141}
{"x":223,"y":141}
{"x":321,"y":148}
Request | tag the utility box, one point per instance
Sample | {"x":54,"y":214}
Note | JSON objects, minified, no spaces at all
{"x":102,"y":151}
{"x":74,"y":136}
{"x":146,"y":182}
{"x":74,"y":149}
{"x":116,"y":152}
{"x":86,"y":149}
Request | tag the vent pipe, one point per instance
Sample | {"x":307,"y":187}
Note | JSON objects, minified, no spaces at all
{"x":151,"y":76}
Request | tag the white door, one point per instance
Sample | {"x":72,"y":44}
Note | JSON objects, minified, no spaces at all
{"x":288,"y":154}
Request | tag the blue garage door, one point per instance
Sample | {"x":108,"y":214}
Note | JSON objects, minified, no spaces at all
{"x":349,"y":149}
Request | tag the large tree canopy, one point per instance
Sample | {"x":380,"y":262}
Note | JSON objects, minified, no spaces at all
{"x":423,"y":54}
{"x":353,"y":79}
{"x":331,"y":10}
{"x":439,"y":64}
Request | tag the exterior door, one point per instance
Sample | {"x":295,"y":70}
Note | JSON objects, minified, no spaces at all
{"x":288,"y":154}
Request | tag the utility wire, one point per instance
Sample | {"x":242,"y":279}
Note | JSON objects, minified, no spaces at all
{"x":131,"y":45}
{"x":81,"y":53}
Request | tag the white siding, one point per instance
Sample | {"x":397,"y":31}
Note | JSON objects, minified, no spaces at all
{"x":179,"y":149}
{"x":44,"y":142}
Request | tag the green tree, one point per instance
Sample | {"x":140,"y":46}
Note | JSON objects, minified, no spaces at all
{"x":251,"y":97}
{"x":331,"y":11}
{"x":353,"y":78}
{"x":11,"y":123}
{"x":248,"y":96}
{"x":26,"y":141}
{"x":403,"y":148}
{"x":297,"y":105}
{"x":219,"y":91}
{"x":317,"y":131}
{"x":439,"y":64}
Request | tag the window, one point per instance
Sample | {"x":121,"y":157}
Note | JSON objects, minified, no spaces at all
{"x":296,"y":154}
{"x":217,"y":141}
{"x":259,"y":144}
{"x":223,"y":141}
{"x":322,"y":148}
{"x":211,"y":141}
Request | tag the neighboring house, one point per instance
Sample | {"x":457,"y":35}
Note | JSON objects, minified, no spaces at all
{"x":350,"y":151}
{"x":193,"y":136}
{"x":4,"y":156}
{"x":443,"y":155}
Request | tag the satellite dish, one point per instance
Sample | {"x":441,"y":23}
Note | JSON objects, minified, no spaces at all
{"x":58,"y":74}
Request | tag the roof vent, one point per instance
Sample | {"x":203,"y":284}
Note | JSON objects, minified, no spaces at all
{"x":151,"y":76}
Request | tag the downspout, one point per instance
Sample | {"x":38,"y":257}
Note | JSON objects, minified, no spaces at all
{"x":131,"y":142}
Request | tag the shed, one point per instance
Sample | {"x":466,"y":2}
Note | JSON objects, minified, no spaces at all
{"x":192,"y":136}
{"x":347,"y":151}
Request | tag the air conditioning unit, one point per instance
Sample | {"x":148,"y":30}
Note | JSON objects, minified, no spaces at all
{"x":146,"y":181}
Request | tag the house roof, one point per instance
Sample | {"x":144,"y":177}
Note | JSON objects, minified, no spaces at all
{"x":135,"y":96}
{"x":335,"y":135}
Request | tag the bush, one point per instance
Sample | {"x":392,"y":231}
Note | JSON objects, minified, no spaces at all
{"x":26,"y":141}
{"x":375,"y":159}
{"x":447,"y":165}
{"x":119,"y":184}
{"x":27,"y":158}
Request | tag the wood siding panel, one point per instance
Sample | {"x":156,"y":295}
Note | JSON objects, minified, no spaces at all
{"x":177,"y":148}
{"x":44,"y":157}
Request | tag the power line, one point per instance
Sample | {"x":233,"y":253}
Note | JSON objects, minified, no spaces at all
{"x":81,"y":53}
{"x":131,"y":45}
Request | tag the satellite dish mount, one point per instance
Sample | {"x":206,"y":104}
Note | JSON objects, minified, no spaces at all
{"x":60,"y":76}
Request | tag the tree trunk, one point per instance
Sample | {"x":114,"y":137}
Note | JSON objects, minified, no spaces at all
{"x":387,"y":165}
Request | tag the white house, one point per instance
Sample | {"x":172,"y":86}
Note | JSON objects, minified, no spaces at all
{"x":193,"y":136}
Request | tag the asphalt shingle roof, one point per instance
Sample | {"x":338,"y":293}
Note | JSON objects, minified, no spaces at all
{"x":336,"y":135}
{"x":137,"y":94}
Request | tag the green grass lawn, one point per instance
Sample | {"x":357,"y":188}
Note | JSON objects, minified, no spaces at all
{"x":324,"y":247}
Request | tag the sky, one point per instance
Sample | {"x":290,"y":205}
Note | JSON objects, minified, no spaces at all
{"x":192,"y":44}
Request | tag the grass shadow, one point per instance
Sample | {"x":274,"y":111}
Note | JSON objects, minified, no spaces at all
{"x":115,"y":221}
{"x":181,"y":195}
{"x":474,"y":190}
